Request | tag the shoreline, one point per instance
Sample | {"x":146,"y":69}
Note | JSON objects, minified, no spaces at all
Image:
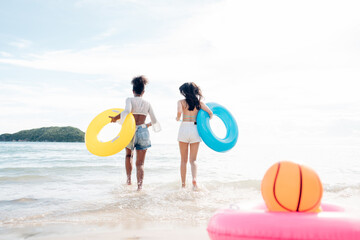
{"x":131,"y":231}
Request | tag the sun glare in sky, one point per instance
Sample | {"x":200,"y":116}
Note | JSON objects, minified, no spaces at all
{"x":288,"y":71}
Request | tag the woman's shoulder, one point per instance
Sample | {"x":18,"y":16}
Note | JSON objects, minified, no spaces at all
{"x":137,"y":100}
{"x":182,"y":102}
{"x":203,"y":105}
{"x":144,"y":102}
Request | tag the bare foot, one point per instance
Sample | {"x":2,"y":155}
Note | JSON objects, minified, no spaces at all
{"x":139,"y":186}
{"x":183,"y":185}
{"x":195,"y":187}
{"x":128,"y":181}
{"x":194,"y":183}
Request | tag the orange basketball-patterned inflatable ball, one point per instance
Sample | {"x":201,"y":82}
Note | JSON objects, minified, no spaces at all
{"x":290,"y":187}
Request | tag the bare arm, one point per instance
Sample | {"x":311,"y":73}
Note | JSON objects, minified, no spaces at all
{"x":114,"y":119}
{"x":206,"y":109}
{"x":179,"y":110}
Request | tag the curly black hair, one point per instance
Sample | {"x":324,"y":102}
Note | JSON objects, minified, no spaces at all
{"x":139,"y":84}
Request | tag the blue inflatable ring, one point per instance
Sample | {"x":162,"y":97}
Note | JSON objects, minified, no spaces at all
{"x":208,"y":136}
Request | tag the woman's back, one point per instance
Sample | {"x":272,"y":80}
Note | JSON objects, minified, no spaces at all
{"x":138,"y":105}
{"x":188,"y":116}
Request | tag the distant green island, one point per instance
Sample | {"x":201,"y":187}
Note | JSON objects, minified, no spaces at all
{"x":45,"y":134}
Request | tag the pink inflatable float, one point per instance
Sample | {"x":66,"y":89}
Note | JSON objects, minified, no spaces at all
{"x":259,"y":224}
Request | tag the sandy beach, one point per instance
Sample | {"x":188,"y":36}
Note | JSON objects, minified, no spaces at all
{"x":108,"y":232}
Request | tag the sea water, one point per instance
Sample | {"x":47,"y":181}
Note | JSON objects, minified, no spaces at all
{"x":56,"y":183}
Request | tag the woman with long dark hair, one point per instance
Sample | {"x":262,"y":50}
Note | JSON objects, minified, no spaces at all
{"x":188,"y":136}
{"x":140,"y":108}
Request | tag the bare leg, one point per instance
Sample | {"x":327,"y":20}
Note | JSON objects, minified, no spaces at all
{"x":128,"y":165}
{"x":194,"y":147}
{"x":140,"y":159}
{"x":184,"y":158}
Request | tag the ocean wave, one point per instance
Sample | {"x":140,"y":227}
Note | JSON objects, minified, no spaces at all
{"x":24,"y":200}
{"x":341,"y":187}
{"x":165,"y":202}
{"x":15,"y":221}
{"x":25,"y":178}
{"x":60,"y":167}
{"x":18,"y":200}
{"x":243,"y":184}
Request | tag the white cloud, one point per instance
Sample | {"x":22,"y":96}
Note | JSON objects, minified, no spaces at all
{"x":21,"y":43}
{"x":283,"y":68}
{"x":108,"y":33}
{"x":5,"y":54}
{"x":103,"y":3}
{"x":232,"y":36}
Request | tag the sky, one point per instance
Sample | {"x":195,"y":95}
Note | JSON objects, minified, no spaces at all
{"x":288,"y":71}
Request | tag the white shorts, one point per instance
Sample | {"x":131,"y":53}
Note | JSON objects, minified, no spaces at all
{"x":188,"y":133}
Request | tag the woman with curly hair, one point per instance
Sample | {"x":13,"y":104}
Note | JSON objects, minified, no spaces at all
{"x":140,"y":108}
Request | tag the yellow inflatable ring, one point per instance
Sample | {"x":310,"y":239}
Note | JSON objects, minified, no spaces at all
{"x":115,"y":145}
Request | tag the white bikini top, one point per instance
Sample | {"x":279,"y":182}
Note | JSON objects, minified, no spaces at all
{"x":137,"y":105}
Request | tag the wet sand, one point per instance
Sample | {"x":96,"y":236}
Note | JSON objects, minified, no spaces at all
{"x":107,"y":232}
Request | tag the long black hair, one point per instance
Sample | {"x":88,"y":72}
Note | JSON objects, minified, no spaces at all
{"x":192,"y":94}
{"x":139,"y":84}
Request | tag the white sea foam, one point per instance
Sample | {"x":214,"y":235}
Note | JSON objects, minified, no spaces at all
{"x":46,"y":183}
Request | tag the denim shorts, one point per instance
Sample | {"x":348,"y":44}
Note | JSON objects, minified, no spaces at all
{"x":141,"y":139}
